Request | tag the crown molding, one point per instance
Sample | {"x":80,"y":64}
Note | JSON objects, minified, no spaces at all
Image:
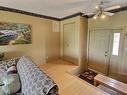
{"x":73,"y":15}
{"x":27,"y":13}
{"x":55,"y":18}
{"x":39,"y":15}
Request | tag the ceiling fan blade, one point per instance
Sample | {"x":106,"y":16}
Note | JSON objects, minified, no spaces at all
{"x":108,"y":13}
{"x":112,"y":8}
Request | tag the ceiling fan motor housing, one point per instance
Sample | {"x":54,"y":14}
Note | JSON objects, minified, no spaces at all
{"x":100,"y":10}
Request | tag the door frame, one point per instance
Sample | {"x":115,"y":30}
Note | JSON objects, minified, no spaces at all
{"x":75,"y":20}
{"x":121,"y":46}
{"x":123,"y":28}
{"x":88,"y":44}
{"x":67,"y":58}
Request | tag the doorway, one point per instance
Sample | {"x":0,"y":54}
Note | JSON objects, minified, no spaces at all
{"x":105,"y":51}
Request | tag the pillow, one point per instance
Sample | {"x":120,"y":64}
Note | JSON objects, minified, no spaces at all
{"x":8,"y":63}
{"x":11,"y":84}
{"x":2,"y":71}
{"x":2,"y":65}
{"x":11,"y":70}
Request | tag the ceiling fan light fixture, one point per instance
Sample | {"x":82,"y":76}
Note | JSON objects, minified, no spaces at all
{"x":97,"y":7}
{"x":95,"y":17}
{"x":103,"y":16}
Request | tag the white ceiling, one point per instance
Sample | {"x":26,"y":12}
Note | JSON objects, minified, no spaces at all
{"x":59,"y":8}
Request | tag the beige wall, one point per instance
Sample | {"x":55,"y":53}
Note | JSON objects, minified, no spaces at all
{"x":81,"y":26}
{"x":83,"y":43}
{"x":118,"y":21}
{"x":45,"y":42}
{"x":53,"y":43}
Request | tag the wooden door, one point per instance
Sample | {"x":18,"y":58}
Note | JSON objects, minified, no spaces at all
{"x":99,"y":50}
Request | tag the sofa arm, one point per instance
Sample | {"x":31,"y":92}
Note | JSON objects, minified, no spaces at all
{"x":34,"y":81}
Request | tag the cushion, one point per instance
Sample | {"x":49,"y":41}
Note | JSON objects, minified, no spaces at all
{"x":8,"y":63}
{"x":11,"y":84}
{"x":2,"y":71}
{"x":2,"y":65}
{"x":11,"y":70}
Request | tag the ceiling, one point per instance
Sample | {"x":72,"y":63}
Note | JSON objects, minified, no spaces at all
{"x":59,"y":8}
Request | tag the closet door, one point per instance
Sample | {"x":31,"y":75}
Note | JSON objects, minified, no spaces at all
{"x":99,"y":50}
{"x":69,"y":44}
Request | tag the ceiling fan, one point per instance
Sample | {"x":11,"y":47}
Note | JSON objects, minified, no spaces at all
{"x":103,"y":12}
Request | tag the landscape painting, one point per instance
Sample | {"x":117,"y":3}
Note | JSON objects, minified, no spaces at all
{"x":14,"y":33}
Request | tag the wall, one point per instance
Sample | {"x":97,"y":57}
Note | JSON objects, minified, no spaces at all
{"x":79,"y":45}
{"x":83,"y":43}
{"x":45,"y":42}
{"x":118,"y":21}
{"x":53,"y":41}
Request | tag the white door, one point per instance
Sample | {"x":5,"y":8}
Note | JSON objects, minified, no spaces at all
{"x":116,"y":63}
{"x":69,"y":50}
{"x":99,"y":50}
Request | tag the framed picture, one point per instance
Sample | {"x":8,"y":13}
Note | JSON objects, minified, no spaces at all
{"x":14,"y":33}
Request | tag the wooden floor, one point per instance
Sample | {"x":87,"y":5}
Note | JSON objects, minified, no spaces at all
{"x":68,"y":84}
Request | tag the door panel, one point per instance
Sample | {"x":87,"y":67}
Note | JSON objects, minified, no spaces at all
{"x":106,"y":53}
{"x":117,"y":67}
{"x":69,"y":50}
{"x":98,"y":50}
{"x":115,"y":55}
